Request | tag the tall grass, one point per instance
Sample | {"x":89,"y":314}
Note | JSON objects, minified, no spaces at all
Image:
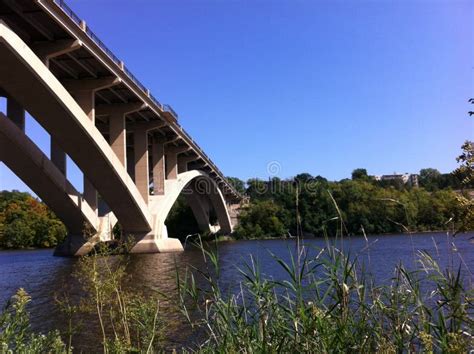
{"x":328,"y":302}
{"x":127,"y":320}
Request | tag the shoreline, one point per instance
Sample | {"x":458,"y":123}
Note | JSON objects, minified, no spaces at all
{"x":229,"y":238}
{"x":233,"y":239}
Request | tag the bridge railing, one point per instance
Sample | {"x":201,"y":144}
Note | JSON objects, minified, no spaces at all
{"x":170,"y":109}
{"x":158,"y":103}
{"x":101,"y":44}
{"x":134,"y":79}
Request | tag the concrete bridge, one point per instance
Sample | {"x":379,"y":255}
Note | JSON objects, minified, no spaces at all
{"x":135,"y":157}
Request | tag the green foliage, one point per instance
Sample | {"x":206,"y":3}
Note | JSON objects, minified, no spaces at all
{"x":430,"y":178}
{"x":365,"y":205}
{"x":237,"y":183}
{"x":26,"y":222}
{"x":360,"y":173}
{"x":181,"y":221}
{"x":260,"y":220}
{"x":466,"y":173}
{"x":15,"y":333}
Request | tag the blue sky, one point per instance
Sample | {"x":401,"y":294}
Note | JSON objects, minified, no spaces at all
{"x":322,"y":87}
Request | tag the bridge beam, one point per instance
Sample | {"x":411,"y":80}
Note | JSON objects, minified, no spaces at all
{"x":200,"y":165}
{"x":147,"y":126}
{"x":48,"y":50}
{"x":91,"y":85}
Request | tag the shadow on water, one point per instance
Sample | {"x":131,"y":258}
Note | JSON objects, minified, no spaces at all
{"x":44,"y":276}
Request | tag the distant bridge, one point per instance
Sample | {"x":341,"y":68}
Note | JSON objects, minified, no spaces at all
{"x":130,"y":147}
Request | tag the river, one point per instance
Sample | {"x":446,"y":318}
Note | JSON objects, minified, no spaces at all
{"x":43,"y":275}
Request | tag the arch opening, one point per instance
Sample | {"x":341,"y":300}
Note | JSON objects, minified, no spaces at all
{"x":181,"y":220}
{"x":203,"y":197}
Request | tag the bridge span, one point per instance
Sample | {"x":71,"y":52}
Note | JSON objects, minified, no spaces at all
{"x":135,"y":156}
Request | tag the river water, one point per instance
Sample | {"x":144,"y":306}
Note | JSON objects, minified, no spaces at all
{"x":43,"y":276}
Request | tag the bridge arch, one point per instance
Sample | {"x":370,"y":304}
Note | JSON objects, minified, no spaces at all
{"x":194,"y":185}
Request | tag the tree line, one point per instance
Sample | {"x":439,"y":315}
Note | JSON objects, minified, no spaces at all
{"x":358,"y":205}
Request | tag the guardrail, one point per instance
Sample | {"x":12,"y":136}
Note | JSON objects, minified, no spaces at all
{"x":101,"y":44}
{"x":164,"y":107}
{"x":134,"y":79}
{"x":156,"y":101}
{"x":67,"y":10}
{"x":168,"y":108}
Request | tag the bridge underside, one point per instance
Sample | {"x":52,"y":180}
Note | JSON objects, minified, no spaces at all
{"x":67,"y":111}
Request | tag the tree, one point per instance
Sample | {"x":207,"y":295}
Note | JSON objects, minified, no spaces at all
{"x":26,"y":222}
{"x":466,"y":170}
{"x":181,"y":221}
{"x":237,"y":183}
{"x":430,"y":179}
{"x":466,"y":160}
{"x":303,"y":177}
{"x":257,"y":189}
{"x":360,"y":173}
{"x":261,"y":219}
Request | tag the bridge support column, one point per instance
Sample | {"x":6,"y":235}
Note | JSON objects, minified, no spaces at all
{"x":118,"y":136}
{"x":172,"y":153}
{"x":117,"y":129}
{"x":171,"y":164}
{"x":130,"y":162}
{"x":140,"y":137}
{"x":16,"y":113}
{"x":182,"y":165}
{"x":158,"y":154}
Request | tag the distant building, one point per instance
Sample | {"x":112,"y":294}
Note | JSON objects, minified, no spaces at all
{"x":413,"y":180}
{"x":406,"y":178}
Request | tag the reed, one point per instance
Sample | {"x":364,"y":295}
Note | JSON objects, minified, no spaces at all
{"x":328,"y":302}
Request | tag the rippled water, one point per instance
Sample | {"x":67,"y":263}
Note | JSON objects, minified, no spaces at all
{"x":43,"y":275}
